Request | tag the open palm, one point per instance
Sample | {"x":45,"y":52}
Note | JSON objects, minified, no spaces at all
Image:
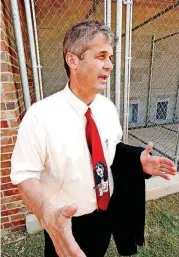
{"x":155,"y":165}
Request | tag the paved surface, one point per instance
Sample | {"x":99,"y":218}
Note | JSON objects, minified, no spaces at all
{"x":164,"y":138}
{"x":165,"y":142}
{"x":157,"y":187}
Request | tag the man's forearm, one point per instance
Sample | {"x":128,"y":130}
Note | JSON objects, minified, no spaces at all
{"x":33,"y":195}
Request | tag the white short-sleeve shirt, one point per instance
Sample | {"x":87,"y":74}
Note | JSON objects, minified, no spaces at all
{"x":52,"y":147}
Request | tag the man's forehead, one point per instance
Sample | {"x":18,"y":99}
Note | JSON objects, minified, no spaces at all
{"x":101,"y":44}
{"x":102,"y":48}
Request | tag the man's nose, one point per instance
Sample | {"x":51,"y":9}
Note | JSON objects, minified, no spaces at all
{"x":108,"y":65}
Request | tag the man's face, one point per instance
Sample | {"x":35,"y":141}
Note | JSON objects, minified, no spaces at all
{"x":95,"y":67}
{"x":100,"y":170}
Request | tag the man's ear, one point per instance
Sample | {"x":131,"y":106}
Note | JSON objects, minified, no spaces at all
{"x":72,"y":60}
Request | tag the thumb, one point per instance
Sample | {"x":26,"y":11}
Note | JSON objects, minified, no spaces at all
{"x":149,"y":147}
{"x":69,"y":210}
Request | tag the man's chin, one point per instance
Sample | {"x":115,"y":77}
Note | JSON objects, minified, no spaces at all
{"x":101,"y":87}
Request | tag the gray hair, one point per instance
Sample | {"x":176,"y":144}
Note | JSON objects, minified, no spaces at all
{"x":78,"y":38}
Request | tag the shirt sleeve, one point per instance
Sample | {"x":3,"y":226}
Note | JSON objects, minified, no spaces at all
{"x":28,"y":158}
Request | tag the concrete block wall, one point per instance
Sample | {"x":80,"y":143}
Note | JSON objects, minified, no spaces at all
{"x":12,"y":112}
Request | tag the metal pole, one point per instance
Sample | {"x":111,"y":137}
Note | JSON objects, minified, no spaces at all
{"x":118,"y":55}
{"x":108,"y":23}
{"x":177,"y":150}
{"x":150,"y":80}
{"x":176,"y":111}
{"x":37,"y":49}
{"x":127,"y":69}
{"x":20,"y":52}
{"x":32,"y":48}
{"x":105,"y":12}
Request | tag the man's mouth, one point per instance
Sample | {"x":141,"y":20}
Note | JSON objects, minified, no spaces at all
{"x":103,"y":77}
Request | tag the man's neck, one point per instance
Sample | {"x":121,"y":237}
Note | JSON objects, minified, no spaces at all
{"x":82,"y":93}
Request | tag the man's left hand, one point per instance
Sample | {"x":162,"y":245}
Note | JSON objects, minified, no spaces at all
{"x":155,"y":165}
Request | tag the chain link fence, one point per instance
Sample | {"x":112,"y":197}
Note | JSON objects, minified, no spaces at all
{"x":53,"y":20}
{"x":154,"y":100}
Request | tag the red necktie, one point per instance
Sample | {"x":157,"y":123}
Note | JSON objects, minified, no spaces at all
{"x":98,"y":161}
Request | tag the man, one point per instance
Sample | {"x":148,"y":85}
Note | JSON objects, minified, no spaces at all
{"x":52,"y":163}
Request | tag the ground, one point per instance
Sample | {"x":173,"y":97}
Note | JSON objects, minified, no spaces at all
{"x":164,"y":137}
{"x":161,"y":234}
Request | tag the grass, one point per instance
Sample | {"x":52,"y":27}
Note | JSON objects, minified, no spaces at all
{"x":161,"y":234}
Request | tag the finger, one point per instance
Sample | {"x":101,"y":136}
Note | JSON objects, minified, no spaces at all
{"x":149,"y":147}
{"x":167,"y":171}
{"x":167,"y":161}
{"x":69,"y":210}
{"x":168,"y":168}
{"x":163,"y":175}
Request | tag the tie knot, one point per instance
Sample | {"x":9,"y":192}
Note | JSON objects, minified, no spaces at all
{"x":88,"y":114}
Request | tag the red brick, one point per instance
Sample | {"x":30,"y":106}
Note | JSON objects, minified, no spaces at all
{"x":4,"y":56}
{"x":4,"y":124}
{"x":6,"y":67}
{"x":14,"y":123}
{"x":10,"y":105}
{"x":5,"y":172}
{"x":9,"y":87}
{"x":6,"y":141}
{"x":5,"y":164}
{"x":9,"y":96}
{"x":16,"y":78}
{"x":4,"y":219}
{"x":9,"y":199}
{"x":18,"y":86}
{"x":18,"y":204}
{"x":6,"y":156}
{"x":7,"y":225}
{"x":7,"y":77}
{"x":18,"y":222}
{"x":19,"y":228}
{"x":10,"y":212}
{"x":4,"y":46}
{"x":14,"y":61}
{"x":12,"y":114}
{"x":7,"y":148}
{"x":11,"y":192}
{"x":8,"y":186}
{"x":3,"y":208}
{"x":3,"y":107}
{"x":17,"y":217}
{"x":15,"y":70}
{"x":5,"y":179}
{"x":8,"y":132}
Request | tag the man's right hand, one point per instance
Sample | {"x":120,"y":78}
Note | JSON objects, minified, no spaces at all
{"x":57,"y":222}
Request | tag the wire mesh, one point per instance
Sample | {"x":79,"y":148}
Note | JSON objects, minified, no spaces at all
{"x":154,"y":103}
{"x":53,"y":20}
{"x":154,"y":92}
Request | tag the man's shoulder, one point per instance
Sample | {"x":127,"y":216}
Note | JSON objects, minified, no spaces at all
{"x":47,"y":106}
{"x":101,"y":99}
{"x":51,"y":101}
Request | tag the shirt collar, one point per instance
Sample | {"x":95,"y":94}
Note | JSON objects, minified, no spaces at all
{"x":79,"y":106}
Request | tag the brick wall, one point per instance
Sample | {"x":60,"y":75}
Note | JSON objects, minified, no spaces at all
{"x":12,"y":112}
